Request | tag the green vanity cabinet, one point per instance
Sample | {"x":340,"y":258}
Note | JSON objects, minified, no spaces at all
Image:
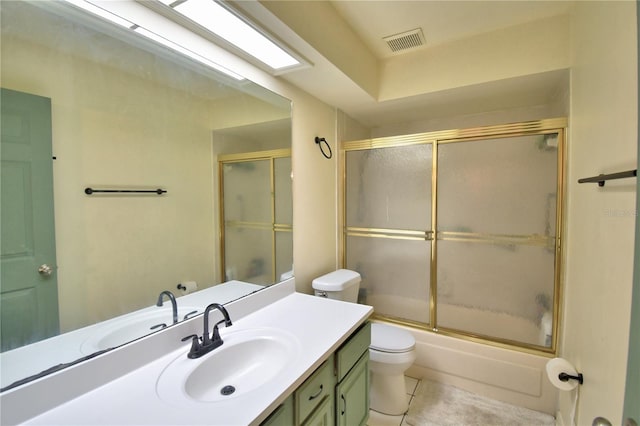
{"x":352,"y":390}
{"x":337,"y":393}
{"x":311,"y":395}
{"x":352,"y":395}
{"x":282,"y":416}
{"x":322,"y":415}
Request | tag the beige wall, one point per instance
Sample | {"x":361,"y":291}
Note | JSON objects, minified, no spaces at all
{"x":314,"y":191}
{"x":600,"y":221}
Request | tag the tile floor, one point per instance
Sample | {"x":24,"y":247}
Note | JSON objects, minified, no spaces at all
{"x":378,"y":419}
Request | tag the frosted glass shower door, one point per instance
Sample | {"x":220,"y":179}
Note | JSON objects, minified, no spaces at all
{"x":283,"y":217}
{"x":496,"y":239}
{"x":247,"y":217}
{"x":388,"y":228}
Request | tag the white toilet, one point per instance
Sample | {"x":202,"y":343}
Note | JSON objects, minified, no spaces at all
{"x":392,"y":349}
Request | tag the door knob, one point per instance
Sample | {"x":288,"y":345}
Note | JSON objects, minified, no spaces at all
{"x":601,"y":421}
{"x":45,"y":269}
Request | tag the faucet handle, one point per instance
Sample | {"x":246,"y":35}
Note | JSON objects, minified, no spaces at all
{"x":189,"y":315}
{"x":155,"y":327}
{"x":194,"y":338}
{"x":191,"y":336}
{"x":195,"y":344}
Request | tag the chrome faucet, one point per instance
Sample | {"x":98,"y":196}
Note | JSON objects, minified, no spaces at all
{"x":174,"y":304}
{"x":201,"y":345}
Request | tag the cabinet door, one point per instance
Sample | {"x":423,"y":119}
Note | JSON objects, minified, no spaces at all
{"x":323,"y":414}
{"x":350,"y":352}
{"x":352,"y":395}
{"x":282,"y":416}
{"x":314,"y":390}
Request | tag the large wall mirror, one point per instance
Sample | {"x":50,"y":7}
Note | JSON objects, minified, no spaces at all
{"x":121,"y":112}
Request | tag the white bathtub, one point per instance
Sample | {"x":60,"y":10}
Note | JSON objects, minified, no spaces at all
{"x":514,"y":377}
{"x":507,"y":375}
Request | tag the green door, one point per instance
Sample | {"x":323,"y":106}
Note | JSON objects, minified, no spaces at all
{"x":28,"y":286}
{"x":632,"y":390}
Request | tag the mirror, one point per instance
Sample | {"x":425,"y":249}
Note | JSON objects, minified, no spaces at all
{"x":127,"y":114}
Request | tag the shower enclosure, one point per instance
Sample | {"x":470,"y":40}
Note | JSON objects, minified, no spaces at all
{"x":256,"y":216}
{"x":459,"y":232}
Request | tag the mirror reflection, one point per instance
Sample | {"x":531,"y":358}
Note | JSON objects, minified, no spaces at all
{"x":89,"y":104}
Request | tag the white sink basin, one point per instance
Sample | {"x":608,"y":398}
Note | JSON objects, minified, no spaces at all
{"x":133,"y":327}
{"x":246,"y":361}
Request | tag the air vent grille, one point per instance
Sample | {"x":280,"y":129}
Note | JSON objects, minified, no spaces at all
{"x":404,"y":41}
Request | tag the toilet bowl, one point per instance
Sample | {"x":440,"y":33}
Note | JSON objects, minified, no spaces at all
{"x":391,"y":353}
{"x":392,"y":349}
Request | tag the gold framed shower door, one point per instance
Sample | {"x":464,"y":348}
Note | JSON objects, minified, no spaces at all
{"x":440,"y":138}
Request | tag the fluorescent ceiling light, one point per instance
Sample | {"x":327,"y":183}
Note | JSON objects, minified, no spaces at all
{"x":225,"y":24}
{"x":101,"y":12}
{"x":186,"y":52}
{"x":161,"y":39}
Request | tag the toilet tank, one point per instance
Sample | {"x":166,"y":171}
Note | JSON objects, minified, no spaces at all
{"x":342,"y":284}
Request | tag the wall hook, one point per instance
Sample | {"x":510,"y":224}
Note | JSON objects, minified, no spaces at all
{"x":319,"y":141}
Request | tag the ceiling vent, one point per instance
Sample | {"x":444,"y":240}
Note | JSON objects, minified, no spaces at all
{"x":405,"y":41}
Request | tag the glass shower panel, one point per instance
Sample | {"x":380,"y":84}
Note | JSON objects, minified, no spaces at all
{"x":283,"y":201}
{"x":248,"y":235}
{"x":496,"y":290}
{"x":395,"y":275}
{"x":247,"y":191}
{"x":389,"y":188}
{"x":248,"y":255}
{"x":283,"y":190}
{"x":284,"y":255}
{"x":498,"y":186}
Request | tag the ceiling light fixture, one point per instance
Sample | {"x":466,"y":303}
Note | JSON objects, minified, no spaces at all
{"x":220,"y":21}
{"x":90,"y":7}
{"x":159,"y":39}
{"x":161,"y":35}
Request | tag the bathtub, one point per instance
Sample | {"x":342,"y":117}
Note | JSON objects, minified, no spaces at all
{"x":507,"y":375}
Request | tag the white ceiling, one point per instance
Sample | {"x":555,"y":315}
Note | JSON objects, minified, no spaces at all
{"x":442,"y":22}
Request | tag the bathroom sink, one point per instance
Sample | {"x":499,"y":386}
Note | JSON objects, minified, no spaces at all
{"x":246,"y":361}
{"x":117,"y":332}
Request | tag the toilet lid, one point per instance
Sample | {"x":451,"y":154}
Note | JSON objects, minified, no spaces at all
{"x":385,"y":338}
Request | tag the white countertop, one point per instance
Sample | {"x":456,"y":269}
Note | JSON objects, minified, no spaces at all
{"x":320,"y":326}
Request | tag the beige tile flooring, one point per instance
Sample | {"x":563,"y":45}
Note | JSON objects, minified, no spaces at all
{"x":378,"y":419}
